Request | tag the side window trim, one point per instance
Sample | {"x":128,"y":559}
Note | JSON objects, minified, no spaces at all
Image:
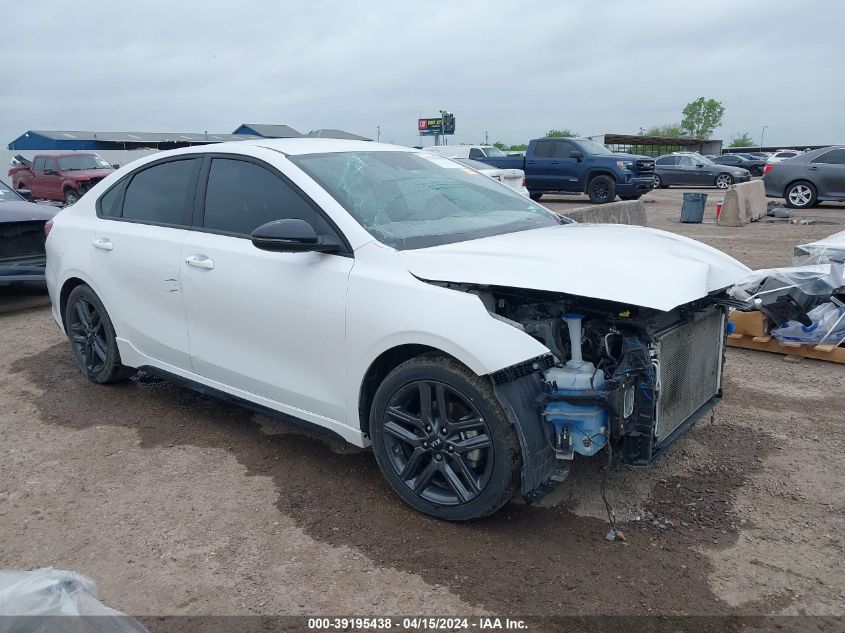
{"x":127,"y":180}
{"x":198,"y":215}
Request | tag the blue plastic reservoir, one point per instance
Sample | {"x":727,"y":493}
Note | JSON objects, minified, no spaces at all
{"x":586,"y":425}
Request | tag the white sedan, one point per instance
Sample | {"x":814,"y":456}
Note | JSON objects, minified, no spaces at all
{"x":474,"y":339}
{"x":513,"y":178}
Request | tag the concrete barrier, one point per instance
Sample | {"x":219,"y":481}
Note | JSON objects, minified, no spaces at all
{"x":624,"y":212}
{"x":744,"y":202}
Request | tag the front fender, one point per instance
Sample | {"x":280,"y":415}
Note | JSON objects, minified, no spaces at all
{"x":388,"y":307}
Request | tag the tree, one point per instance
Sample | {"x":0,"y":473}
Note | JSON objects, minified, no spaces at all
{"x":564,"y":133}
{"x":701,"y":117}
{"x":742,"y":140}
{"x":500,"y":145}
{"x":667,"y":130}
{"x":518,"y":148}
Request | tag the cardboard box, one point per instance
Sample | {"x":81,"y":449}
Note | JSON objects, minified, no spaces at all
{"x":749,"y":323}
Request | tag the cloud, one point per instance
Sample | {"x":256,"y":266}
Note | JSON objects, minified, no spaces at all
{"x":512,"y":70}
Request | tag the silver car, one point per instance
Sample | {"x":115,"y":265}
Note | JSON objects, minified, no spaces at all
{"x":809,"y":178}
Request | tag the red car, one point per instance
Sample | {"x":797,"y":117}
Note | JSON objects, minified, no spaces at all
{"x":64,"y":177}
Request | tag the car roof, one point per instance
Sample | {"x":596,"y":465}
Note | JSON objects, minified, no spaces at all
{"x":295,"y":146}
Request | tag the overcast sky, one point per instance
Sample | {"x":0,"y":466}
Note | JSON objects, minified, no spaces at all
{"x":511,"y":69}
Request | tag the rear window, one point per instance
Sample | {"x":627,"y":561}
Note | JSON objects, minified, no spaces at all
{"x":159,"y":194}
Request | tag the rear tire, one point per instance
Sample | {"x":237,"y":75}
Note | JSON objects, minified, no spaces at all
{"x":801,"y":195}
{"x":442,"y":440}
{"x":636,"y":197}
{"x":535,"y":195}
{"x":658,"y":183}
{"x":601,"y":189}
{"x":92,"y":337}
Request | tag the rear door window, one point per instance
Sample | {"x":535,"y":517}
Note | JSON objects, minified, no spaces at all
{"x":476,"y":153}
{"x":543,"y":149}
{"x":241,"y":196}
{"x":833,"y":157}
{"x":38,"y":165}
{"x":666,"y":161}
{"x":160,"y":194}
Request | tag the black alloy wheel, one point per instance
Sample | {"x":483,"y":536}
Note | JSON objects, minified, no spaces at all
{"x":601,"y":189}
{"x":438,"y":443}
{"x":443,"y":441}
{"x":86,"y":330}
{"x":92,"y":337}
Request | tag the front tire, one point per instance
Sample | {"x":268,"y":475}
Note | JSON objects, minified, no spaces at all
{"x":92,"y":337}
{"x":601,"y":189}
{"x":723,"y":181}
{"x":801,"y":195}
{"x":71,"y":197}
{"x":443,"y":441}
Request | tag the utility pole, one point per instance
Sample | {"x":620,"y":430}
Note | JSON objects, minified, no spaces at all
{"x":762,"y":134}
{"x":378,"y":133}
{"x":486,"y":140}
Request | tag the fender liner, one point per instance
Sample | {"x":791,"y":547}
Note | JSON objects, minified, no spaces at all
{"x":518,"y":396}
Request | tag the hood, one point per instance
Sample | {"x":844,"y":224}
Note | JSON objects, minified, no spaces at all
{"x":20,"y":211}
{"x":628,"y":264}
{"x":85,"y":174}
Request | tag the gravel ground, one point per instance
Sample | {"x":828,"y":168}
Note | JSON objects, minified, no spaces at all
{"x":178,"y":504}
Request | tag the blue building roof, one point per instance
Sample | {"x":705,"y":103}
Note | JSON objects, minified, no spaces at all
{"x":78,"y":140}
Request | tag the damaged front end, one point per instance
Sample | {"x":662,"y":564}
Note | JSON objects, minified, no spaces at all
{"x":639,"y":378}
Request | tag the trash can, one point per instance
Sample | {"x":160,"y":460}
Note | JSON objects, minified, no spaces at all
{"x":693,"y":209}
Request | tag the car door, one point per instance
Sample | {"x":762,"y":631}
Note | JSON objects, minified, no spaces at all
{"x":36,"y":182}
{"x":135,"y":256}
{"x":566,"y":169}
{"x":828,"y":173}
{"x":539,"y":173}
{"x":52,"y":180}
{"x":664,"y":167}
{"x":266,"y":323}
{"x":688,"y":171}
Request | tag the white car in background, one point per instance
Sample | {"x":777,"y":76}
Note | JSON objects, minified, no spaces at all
{"x":513,"y":178}
{"x":782,"y":155}
{"x":476,"y":340}
{"x":466,"y":151}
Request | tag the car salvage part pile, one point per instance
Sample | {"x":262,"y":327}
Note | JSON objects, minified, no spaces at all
{"x":798,"y":310}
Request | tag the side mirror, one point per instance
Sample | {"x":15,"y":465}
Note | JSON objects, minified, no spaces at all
{"x":577,"y":155}
{"x":292,"y":235}
{"x":699,"y":165}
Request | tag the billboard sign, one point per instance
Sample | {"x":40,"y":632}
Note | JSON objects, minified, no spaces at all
{"x":435,"y":126}
{"x":429,"y":127}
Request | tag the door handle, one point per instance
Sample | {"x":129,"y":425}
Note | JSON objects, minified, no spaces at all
{"x":813,"y":168}
{"x":104,"y":244}
{"x":199,"y":261}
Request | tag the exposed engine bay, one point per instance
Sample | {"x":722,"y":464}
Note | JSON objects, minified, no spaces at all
{"x":632,"y":376}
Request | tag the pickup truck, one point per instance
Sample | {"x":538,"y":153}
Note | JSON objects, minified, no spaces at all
{"x":64,"y":177}
{"x":580,"y":165}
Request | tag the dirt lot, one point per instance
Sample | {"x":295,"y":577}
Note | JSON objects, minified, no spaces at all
{"x":178,"y":504}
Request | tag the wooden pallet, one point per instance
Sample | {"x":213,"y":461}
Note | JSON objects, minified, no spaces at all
{"x":800,"y":350}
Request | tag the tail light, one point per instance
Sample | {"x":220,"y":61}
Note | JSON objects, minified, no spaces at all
{"x":47,"y":226}
{"x":523,"y":181}
{"x":768,"y":168}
